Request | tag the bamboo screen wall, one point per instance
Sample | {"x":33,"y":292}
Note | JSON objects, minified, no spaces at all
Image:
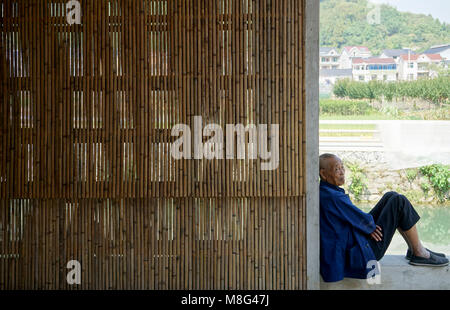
{"x":85,"y":167}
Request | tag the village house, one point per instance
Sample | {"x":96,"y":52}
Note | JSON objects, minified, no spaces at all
{"x":442,"y":50}
{"x":374,"y":68}
{"x":329,"y":58}
{"x":396,"y":53}
{"x":350,"y":52}
{"x":413,"y":67}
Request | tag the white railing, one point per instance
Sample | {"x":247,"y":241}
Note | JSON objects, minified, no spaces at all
{"x":348,"y":139}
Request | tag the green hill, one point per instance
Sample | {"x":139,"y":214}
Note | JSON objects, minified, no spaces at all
{"x":344,"y":23}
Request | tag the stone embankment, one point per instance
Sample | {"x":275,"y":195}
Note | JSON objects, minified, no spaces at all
{"x":380,"y":178}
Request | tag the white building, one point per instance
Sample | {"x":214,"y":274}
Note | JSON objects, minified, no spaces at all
{"x":329,"y":58}
{"x":370,"y":69}
{"x":350,"y":52}
{"x":413,"y":67}
{"x":442,"y":50}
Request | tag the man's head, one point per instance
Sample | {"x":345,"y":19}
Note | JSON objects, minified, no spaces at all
{"x":331,"y":169}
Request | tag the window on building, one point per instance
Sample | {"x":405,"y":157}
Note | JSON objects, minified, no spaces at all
{"x":376,"y":67}
{"x":384,"y":77}
{"x":411,"y":65}
{"x":361,"y":77}
{"x":374,"y":77}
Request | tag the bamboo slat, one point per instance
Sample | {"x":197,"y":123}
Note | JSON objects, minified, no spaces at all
{"x":86,"y":171}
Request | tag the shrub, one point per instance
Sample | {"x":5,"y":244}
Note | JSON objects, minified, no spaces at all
{"x":340,"y":88}
{"x":411,"y":175}
{"x":425,"y":186}
{"x":435,"y":90}
{"x":344,"y":107}
{"x":439,"y":177}
{"x":357,"y":180}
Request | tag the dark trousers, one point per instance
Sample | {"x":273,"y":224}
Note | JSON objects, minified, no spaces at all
{"x":391,"y":212}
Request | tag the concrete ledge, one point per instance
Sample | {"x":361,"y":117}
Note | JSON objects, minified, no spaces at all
{"x":398,"y":274}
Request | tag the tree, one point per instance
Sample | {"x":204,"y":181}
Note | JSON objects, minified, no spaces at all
{"x":344,"y":22}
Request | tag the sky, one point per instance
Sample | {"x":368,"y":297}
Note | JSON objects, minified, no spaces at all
{"x":439,"y":9}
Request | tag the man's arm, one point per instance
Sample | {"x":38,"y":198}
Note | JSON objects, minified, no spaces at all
{"x":347,"y":211}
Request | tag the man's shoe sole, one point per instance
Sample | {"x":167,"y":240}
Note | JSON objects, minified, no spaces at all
{"x":429,"y":265}
{"x":437,"y":254}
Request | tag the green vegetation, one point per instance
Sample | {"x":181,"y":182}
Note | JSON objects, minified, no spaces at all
{"x":436,"y":90}
{"x":411,"y":175}
{"x":425,"y":186}
{"x":393,"y":114}
{"x":372,"y":116}
{"x":439,"y":178}
{"x":344,"y":107}
{"x":344,"y":23}
{"x":357,"y":180}
{"x":438,"y":114}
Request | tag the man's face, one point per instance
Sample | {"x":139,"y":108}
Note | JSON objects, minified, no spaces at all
{"x":333,"y":172}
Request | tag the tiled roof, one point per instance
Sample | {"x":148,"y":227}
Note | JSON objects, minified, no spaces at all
{"x":415,"y":57}
{"x":361,"y":48}
{"x":325,"y":50}
{"x":397,"y":52}
{"x":373,"y":60}
{"x":437,"y":49}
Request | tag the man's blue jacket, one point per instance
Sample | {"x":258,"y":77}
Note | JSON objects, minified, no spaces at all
{"x":344,"y":229}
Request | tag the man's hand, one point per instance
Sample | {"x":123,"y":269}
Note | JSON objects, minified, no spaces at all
{"x":376,"y":234}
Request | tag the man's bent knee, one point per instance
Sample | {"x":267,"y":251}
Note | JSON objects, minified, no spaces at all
{"x":401,"y":200}
{"x":390,"y":194}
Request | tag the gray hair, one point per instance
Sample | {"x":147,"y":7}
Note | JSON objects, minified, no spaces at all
{"x":323,"y":158}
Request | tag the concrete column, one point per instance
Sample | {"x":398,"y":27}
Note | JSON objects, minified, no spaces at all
{"x":311,"y":67}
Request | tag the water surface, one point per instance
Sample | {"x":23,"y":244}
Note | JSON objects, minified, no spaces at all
{"x":433,"y":228}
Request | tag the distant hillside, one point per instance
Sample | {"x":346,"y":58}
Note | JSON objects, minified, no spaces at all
{"x":344,"y":22}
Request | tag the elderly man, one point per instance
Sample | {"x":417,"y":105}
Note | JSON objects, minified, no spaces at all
{"x":351,"y":238}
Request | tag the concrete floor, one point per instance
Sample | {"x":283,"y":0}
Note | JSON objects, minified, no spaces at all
{"x":398,"y":274}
